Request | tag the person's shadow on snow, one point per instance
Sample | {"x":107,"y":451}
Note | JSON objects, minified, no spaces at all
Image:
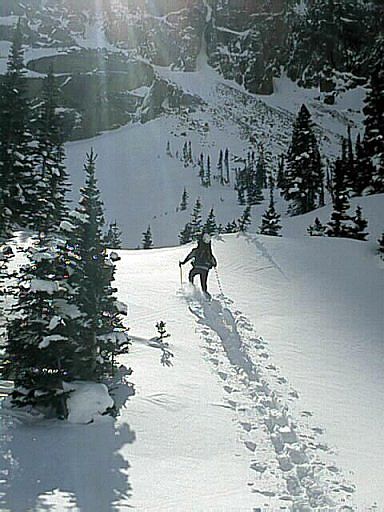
{"x":81,"y":462}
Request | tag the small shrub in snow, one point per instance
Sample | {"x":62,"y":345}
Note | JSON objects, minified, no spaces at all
{"x":358,"y":230}
{"x":147,"y":239}
{"x":166,"y":356}
{"x":270,"y":220}
{"x":317,"y":228}
{"x":113,"y":236}
{"x":245,"y":220}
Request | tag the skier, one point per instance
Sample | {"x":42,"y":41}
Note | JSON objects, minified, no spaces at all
{"x":203,"y":261}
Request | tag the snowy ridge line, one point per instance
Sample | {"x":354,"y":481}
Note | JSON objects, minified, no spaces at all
{"x":290,"y":464}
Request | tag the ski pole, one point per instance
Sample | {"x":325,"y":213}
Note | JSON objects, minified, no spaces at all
{"x":181,"y":274}
{"x":218,"y":282}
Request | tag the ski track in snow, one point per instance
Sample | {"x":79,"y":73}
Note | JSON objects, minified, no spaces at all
{"x":288,"y":459}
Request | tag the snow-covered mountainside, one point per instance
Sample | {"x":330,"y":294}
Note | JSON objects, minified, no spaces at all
{"x":274,"y":400}
{"x":133,"y":162}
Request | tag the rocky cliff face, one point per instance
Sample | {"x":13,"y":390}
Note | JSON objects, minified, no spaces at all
{"x":166,"y":32}
{"x":317,"y":42}
{"x":324,"y":43}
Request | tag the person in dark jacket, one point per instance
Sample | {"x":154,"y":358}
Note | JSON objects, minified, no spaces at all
{"x":202,"y":261}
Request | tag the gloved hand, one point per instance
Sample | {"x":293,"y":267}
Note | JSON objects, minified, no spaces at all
{"x":180,"y":264}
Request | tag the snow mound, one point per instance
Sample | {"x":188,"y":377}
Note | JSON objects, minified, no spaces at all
{"x":87,"y":401}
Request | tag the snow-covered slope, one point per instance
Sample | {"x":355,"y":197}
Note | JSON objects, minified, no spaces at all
{"x":274,"y":400}
{"x":141,"y":185}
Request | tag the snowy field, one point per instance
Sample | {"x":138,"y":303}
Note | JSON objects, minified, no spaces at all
{"x":274,"y":400}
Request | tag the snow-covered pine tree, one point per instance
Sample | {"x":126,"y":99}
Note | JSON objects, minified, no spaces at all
{"x":195,"y":223}
{"x":254,"y":180}
{"x":42,"y":334}
{"x":185,"y":235}
{"x":103,"y":335}
{"x":113,"y":236}
{"x":210,"y":225}
{"x":270,"y":220}
{"x":358,"y":228}
{"x":240,"y":184}
{"x":350,"y":164}
{"x":364,"y":169}
{"x":261,"y":169}
{"x":53,"y":182}
{"x":184,"y":200}
{"x":280,"y":179}
{"x":147,"y":242}
{"x":245,"y":220}
{"x":207,"y":178}
{"x":227,"y":166}
{"x":6,"y":254}
{"x":220,"y":164}
{"x":18,"y":195}
{"x":304,"y":174}
{"x":201,"y":168}
{"x":231,"y":227}
{"x":340,"y":223}
{"x":185,"y":154}
{"x":317,"y":228}
{"x":374,"y":117}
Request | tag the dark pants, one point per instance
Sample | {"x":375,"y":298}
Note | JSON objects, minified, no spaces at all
{"x":203,"y":277}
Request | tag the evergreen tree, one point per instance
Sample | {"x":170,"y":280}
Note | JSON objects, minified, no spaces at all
{"x":226,"y":166}
{"x":185,"y":154}
{"x":254,"y":181}
{"x":220,"y":175}
{"x":103,"y":335}
{"x":201,"y":168}
{"x":42,"y":336}
{"x":316,"y":229}
{"x":18,"y":195}
{"x":195,"y":224}
{"x":168,"y":151}
{"x":113,"y":236}
{"x":185,"y":235}
{"x":184,"y":200}
{"x":210,"y":225}
{"x":207,"y":180}
{"x":240,"y":185}
{"x":304,"y":176}
{"x":340,"y":223}
{"x":53,"y":184}
{"x":261,"y":170}
{"x":147,"y":239}
{"x":374,"y":116}
{"x":364,"y":169}
{"x":358,"y":229}
{"x":6,"y":254}
{"x":281,"y":173}
{"x":270,"y":220}
{"x":231,"y":227}
{"x":245,"y":220}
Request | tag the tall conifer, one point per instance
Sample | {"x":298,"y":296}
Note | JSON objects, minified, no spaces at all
{"x":304,"y":176}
